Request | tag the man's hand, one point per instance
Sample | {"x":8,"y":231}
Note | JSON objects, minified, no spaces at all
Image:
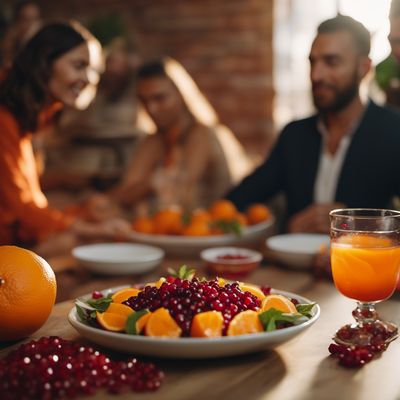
{"x":313,"y":219}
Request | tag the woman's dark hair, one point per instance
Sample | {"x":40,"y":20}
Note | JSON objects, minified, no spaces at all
{"x":24,"y":91}
{"x":151,"y":69}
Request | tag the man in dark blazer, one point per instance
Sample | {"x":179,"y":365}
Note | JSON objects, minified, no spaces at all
{"x":348,"y":154}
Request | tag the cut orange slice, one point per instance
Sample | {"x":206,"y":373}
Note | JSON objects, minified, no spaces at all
{"x":158,"y":283}
{"x":245,"y":322}
{"x":279,"y":302}
{"x":114,"y":318}
{"x":207,"y":324}
{"x":161,"y":324}
{"x":253,"y":289}
{"x":141,"y":322}
{"x":221,"y":282}
{"x":124,"y":294}
{"x":137,"y":321}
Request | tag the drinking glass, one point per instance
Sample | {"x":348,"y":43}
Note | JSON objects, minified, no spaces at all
{"x":365,"y":259}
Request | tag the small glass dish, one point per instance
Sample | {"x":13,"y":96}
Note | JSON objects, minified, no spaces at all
{"x":230,"y":262}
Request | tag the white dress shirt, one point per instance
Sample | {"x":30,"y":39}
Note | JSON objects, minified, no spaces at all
{"x":330,"y":165}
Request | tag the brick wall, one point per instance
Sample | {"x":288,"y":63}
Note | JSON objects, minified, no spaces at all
{"x":226,"y":45}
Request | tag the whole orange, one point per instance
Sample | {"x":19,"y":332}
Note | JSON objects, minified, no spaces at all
{"x":143,"y":225}
{"x":223,"y":209}
{"x":197,"y":229}
{"x":27,"y":292}
{"x":168,"y":221}
{"x":257,"y":213}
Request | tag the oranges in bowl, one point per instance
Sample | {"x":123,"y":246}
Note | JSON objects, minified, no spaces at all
{"x":220,"y":218}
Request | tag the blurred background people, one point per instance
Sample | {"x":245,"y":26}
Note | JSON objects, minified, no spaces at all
{"x":346,"y":154}
{"x":190,"y":160}
{"x":91,"y":147}
{"x":26,"y":20}
{"x":51,"y":71}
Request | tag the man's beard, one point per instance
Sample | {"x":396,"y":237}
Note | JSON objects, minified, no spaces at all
{"x":342,"y":98}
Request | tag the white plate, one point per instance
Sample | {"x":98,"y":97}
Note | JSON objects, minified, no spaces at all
{"x":297,"y":249}
{"x":190,"y":245}
{"x":118,"y":258}
{"x":192,"y":347}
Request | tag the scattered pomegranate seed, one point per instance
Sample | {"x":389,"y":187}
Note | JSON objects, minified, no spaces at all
{"x":356,"y":356}
{"x":55,"y":368}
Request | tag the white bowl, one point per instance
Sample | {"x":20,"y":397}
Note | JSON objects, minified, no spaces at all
{"x":297,"y":250}
{"x":193,"y":245}
{"x":230,"y":266}
{"x":118,"y":258}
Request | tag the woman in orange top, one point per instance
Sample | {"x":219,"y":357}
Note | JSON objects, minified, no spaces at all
{"x":51,"y":71}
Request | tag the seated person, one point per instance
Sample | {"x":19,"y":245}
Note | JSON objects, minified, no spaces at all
{"x":51,"y":71}
{"x":346,"y":154}
{"x":183,"y":162}
{"x":92,"y":147}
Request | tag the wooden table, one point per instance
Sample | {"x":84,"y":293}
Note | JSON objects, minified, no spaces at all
{"x":300,"y":369}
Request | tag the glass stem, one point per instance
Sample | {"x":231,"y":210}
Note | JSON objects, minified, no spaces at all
{"x":365,"y":313}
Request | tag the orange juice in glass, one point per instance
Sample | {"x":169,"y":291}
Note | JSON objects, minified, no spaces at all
{"x":365,"y":259}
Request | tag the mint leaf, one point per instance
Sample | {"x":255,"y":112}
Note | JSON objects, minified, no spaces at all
{"x":305,"y":309}
{"x":83,"y":316}
{"x":183,"y":273}
{"x":271,"y":317}
{"x":228,"y":226}
{"x":130,"y":326}
{"x":101,"y":304}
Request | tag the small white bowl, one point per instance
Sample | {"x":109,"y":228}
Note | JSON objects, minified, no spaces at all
{"x":231,"y":262}
{"x":118,"y":258}
{"x":297,"y":250}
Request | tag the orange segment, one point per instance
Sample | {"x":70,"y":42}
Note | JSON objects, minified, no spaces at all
{"x":141,"y":322}
{"x":245,"y":322}
{"x":158,"y":283}
{"x":114,"y":318}
{"x":207,"y":324}
{"x":221,"y":282}
{"x":161,"y":324}
{"x":124,"y":294}
{"x":279,"y":302}
{"x":255,"y":290}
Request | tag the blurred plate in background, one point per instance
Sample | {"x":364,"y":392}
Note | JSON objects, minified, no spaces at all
{"x":118,"y":258}
{"x":297,"y":250}
{"x":193,"y":245}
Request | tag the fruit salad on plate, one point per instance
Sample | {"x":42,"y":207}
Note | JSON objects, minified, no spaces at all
{"x":182,"y":305}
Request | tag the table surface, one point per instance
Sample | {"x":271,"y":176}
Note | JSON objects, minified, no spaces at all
{"x":299,"y":369}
